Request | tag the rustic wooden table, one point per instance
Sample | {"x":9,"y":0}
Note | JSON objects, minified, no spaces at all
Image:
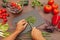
{"x":54,"y":36}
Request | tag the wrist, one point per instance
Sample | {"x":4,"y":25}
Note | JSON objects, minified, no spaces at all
{"x":17,"y":31}
{"x":39,"y":38}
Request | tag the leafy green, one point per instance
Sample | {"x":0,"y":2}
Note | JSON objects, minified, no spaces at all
{"x":4,"y":5}
{"x":6,"y":34}
{"x":24,"y":2}
{"x":36,"y":3}
{"x":31,"y":19}
{"x":4,"y":28}
{"x":1,"y":34}
{"x":4,"y":1}
{"x":45,"y":34}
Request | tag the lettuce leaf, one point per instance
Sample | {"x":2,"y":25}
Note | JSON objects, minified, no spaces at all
{"x":4,"y":28}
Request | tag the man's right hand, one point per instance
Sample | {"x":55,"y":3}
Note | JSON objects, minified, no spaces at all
{"x":36,"y":34}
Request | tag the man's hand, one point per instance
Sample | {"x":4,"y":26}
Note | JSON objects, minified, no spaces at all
{"x":21,"y":25}
{"x":36,"y":34}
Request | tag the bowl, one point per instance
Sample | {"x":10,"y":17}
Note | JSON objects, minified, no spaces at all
{"x":13,"y":9}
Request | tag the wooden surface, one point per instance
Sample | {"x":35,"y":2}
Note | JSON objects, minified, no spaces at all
{"x":54,"y":36}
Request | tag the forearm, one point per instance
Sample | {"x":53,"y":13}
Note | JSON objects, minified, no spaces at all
{"x":12,"y":36}
{"x":37,"y":34}
{"x":39,"y":38}
{"x":21,"y":25}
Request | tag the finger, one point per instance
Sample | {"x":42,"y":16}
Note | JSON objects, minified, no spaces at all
{"x":23,"y":20}
{"x":25,"y":24}
{"x":33,"y":28}
{"x":33,"y":31}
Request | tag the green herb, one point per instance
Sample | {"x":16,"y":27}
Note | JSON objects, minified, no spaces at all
{"x":4,"y":1}
{"x":36,"y":3}
{"x":46,"y":34}
{"x":31,"y":19}
{"x":4,"y":5}
{"x":24,"y":2}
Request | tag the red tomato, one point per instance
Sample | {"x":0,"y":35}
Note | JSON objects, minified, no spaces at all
{"x":4,"y":17}
{"x":13,"y":4}
{"x":19,"y":7}
{"x":55,"y":20}
{"x":4,"y":14}
{"x":5,"y":20}
{"x":55,"y":11}
{"x":59,"y":26}
{"x":3,"y":23}
{"x":54,"y":6}
{"x":1,"y":16}
{"x":59,"y":17}
{"x":50,"y":2}
{"x":7,"y":15}
{"x":47,"y":8}
{"x":3,"y":10}
{"x":0,"y":12}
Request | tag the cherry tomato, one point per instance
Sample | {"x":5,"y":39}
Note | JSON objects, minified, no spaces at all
{"x":0,"y":12}
{"x":4,"y":17}
{"x":50,"y":2}
{"x":55,"y":20}
{"x":4,"y":14}
{"x":54,"y":6}
{"x":55,"y":11}
{"x":13,"y":4}
{"x":3,"y":10}
{"x":19,"y":7}
{"x":5,"y":20}
{"x":7,"y":15}
{"x":59,"y":17}
{"x":1,"y":16}
{"x":47,"y":8}
{"x":3,"y":23}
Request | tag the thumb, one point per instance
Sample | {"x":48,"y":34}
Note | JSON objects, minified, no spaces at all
{"x":34,"y":29}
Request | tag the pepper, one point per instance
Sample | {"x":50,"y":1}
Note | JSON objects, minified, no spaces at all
{"x":55,"y":20}
{"x":58,"y":26}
